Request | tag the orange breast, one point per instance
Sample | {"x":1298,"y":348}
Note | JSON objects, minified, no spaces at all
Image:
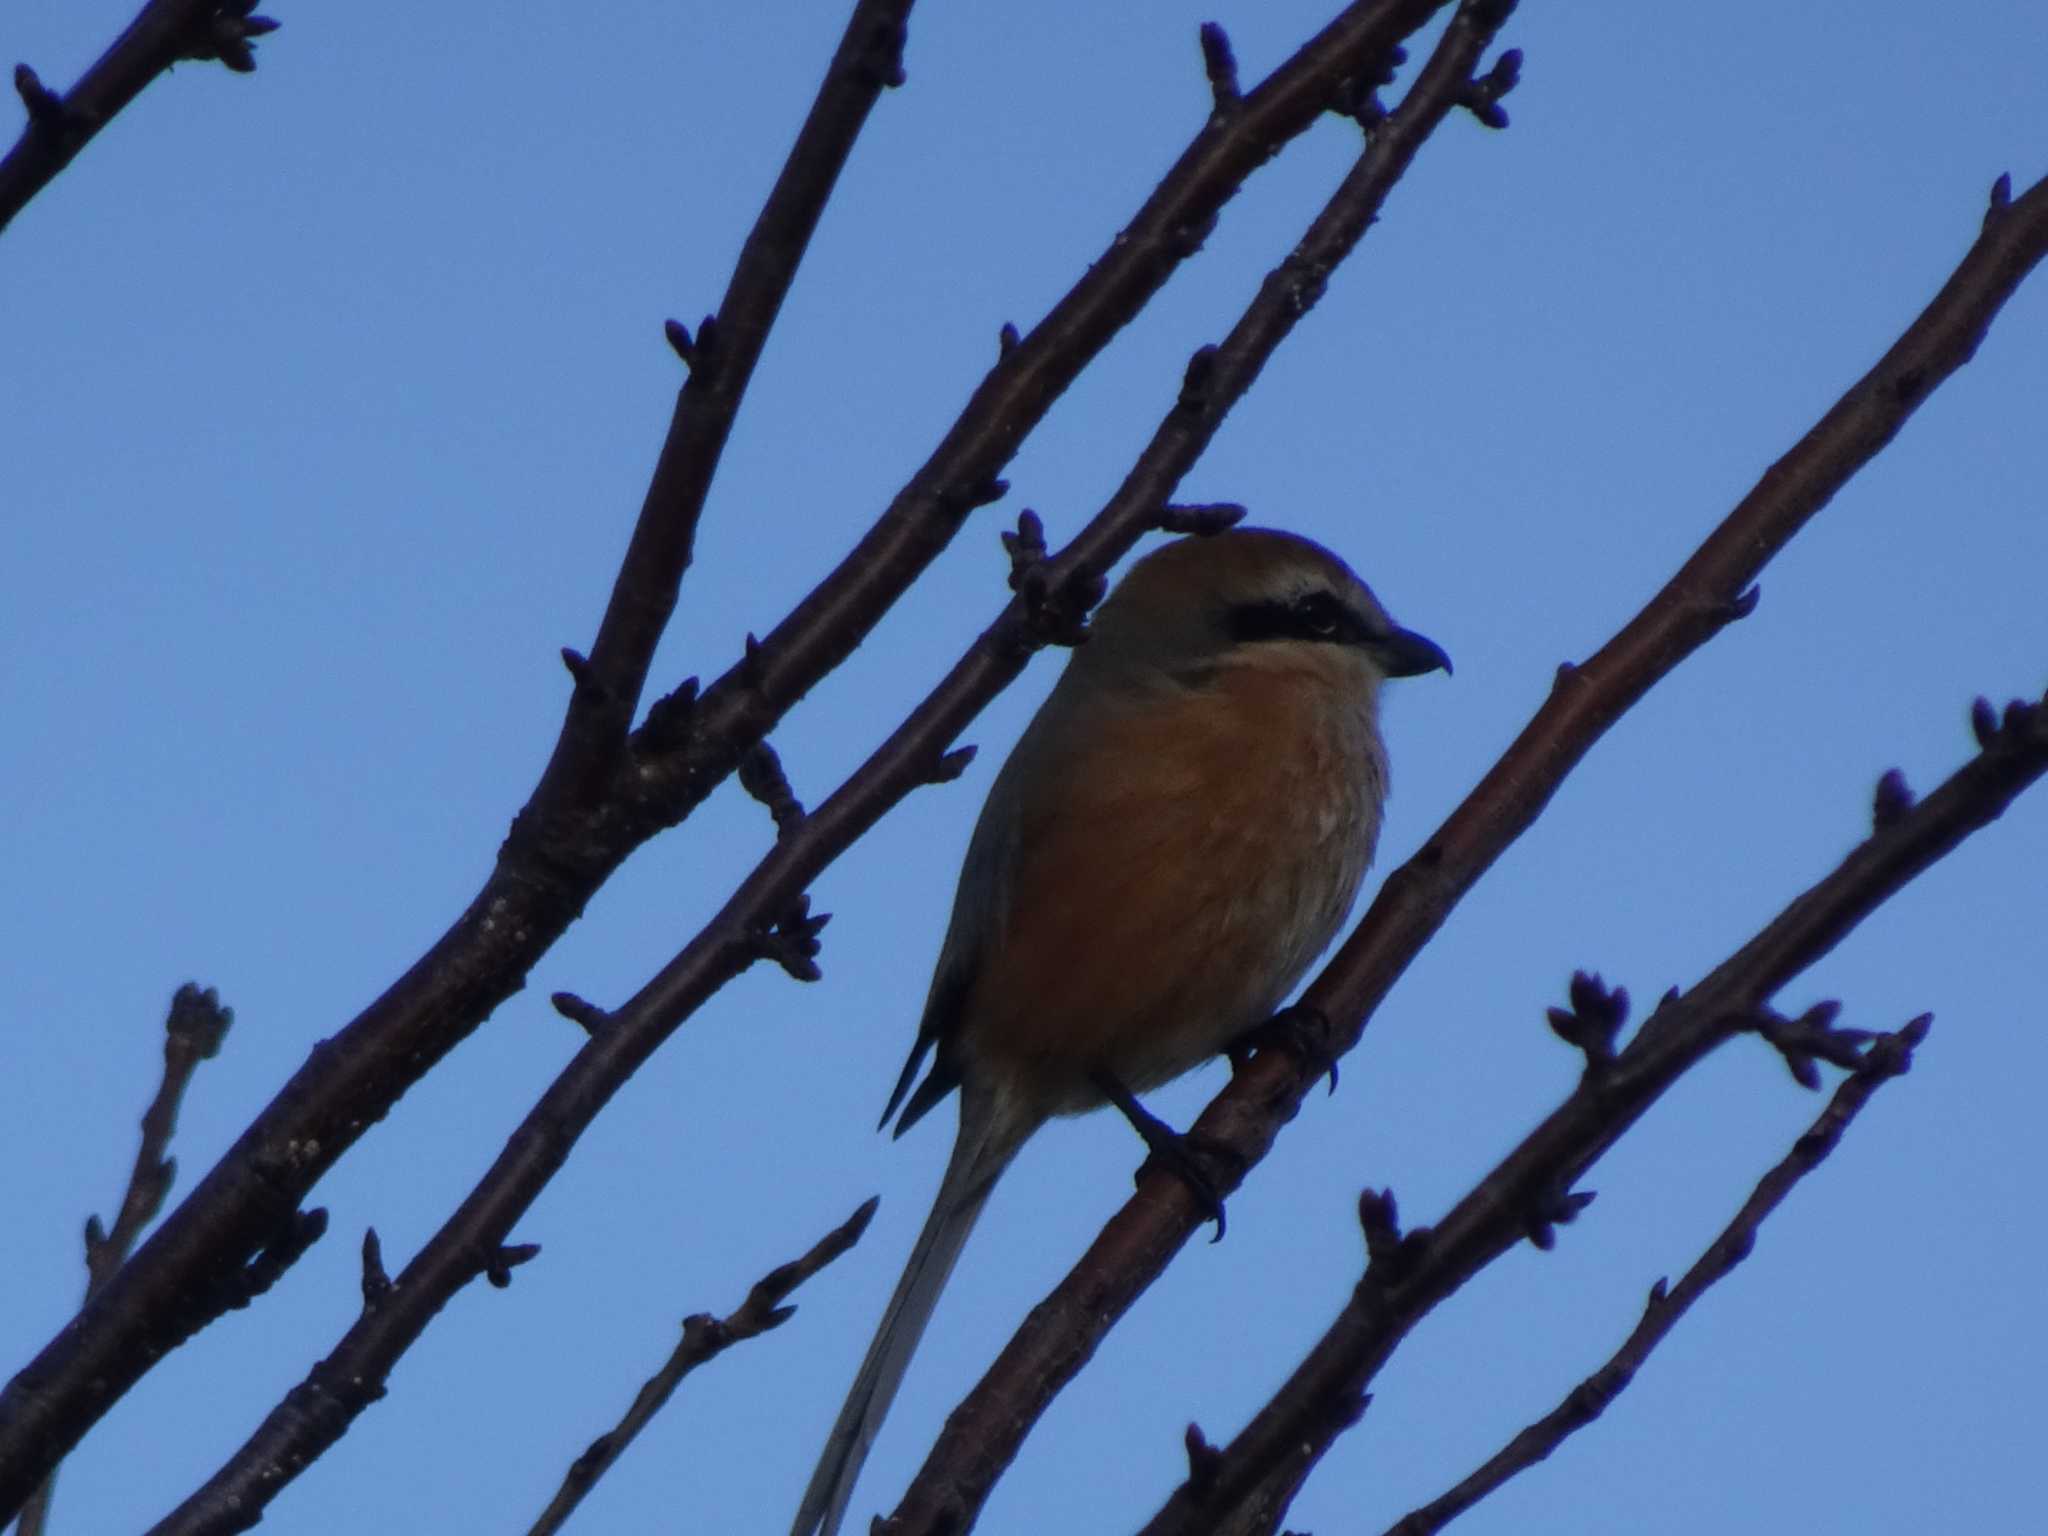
{"x":1177,"y":869}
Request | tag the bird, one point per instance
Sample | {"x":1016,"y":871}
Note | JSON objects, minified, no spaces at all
{"x":1178,"y":833}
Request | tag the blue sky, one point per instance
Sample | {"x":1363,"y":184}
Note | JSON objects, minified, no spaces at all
{"x":333,"y":391}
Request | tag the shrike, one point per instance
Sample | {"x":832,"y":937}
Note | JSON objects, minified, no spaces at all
{"x":1178,"y":834}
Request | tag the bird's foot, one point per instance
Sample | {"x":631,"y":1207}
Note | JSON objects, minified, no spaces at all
{"x":1302,"y":1031}
{"x":1181,"y":1152}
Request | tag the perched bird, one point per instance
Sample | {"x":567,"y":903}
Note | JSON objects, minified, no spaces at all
{"x":1178,"y":833}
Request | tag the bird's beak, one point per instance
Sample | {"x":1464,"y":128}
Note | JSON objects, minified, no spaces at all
{"x":1404,"y":653}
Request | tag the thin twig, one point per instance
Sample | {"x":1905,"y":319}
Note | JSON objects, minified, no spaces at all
{"x":704,"y":1338}
{"x":1061,"y":1333}
{"x":1889,"y":1056}
{"x":193,"y":1031}
{"x":161,"y":34}
{"x":1261,"y":1469}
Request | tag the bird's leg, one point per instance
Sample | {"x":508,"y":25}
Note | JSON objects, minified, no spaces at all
{"x":1300,"y":1030}
{"x":1182,"y":1153}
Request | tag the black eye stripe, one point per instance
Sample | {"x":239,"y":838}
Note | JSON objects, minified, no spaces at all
{"x":1316,"y":615}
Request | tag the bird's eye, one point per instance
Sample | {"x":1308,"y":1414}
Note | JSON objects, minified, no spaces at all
{"x":1321,"y":614}
{"x":1315,"y":616}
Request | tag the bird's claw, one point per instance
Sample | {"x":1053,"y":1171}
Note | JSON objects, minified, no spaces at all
{"x":1301,"y":1030}
{"x":1179,"y":1152}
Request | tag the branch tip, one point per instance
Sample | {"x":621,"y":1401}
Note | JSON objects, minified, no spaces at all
{"x":1219,"y":63}
{"x":1550,"y":1212}
{"x":1204,"y":1461}
{"x":1891,"y":1055}
{"x":1007,"y":339}
{"x":1025,"y":546}
{"x":1983,"y":722}
{"x":951,"y":765}
{"x":1379,"y":1218}
{"x":376,"y":1283}
{"x":198,"y":1021}
{"x":761,"y":775}
{"x":228,"y":33}
{"x":498,"y":1266}
{"x":1482,"y":95}
{"x":763,"y":1309}
{"x":45,"y":106}
{"x":573,"y":1008}
{"x":679,"y":340}
{"x":855,"y":1226}
{"x":791,"y":941}
{"x":578,"y":666}
{"x":1196,"y":379}
{"x":2001,"y":199}
{"x":1593,"y":1021}
{"x":1202,"y":519}
{"x":1891,"y":801}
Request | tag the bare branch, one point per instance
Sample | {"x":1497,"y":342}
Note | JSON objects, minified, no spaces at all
{"x":1709,"y":591}
{"x":1263,"y":1466}
{"x":1889,"y":1056}
{"x":588,"y":813}
{"x":765,"y":917}
{"x":162,"y":33}
{"x":563,"y":846}
{"x":721,"y":359}
{"x":193,"y":1031}
{"x":704,"y":1338}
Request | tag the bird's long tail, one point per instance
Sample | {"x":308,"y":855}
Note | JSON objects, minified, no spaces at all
{"x":980,"y":1153}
